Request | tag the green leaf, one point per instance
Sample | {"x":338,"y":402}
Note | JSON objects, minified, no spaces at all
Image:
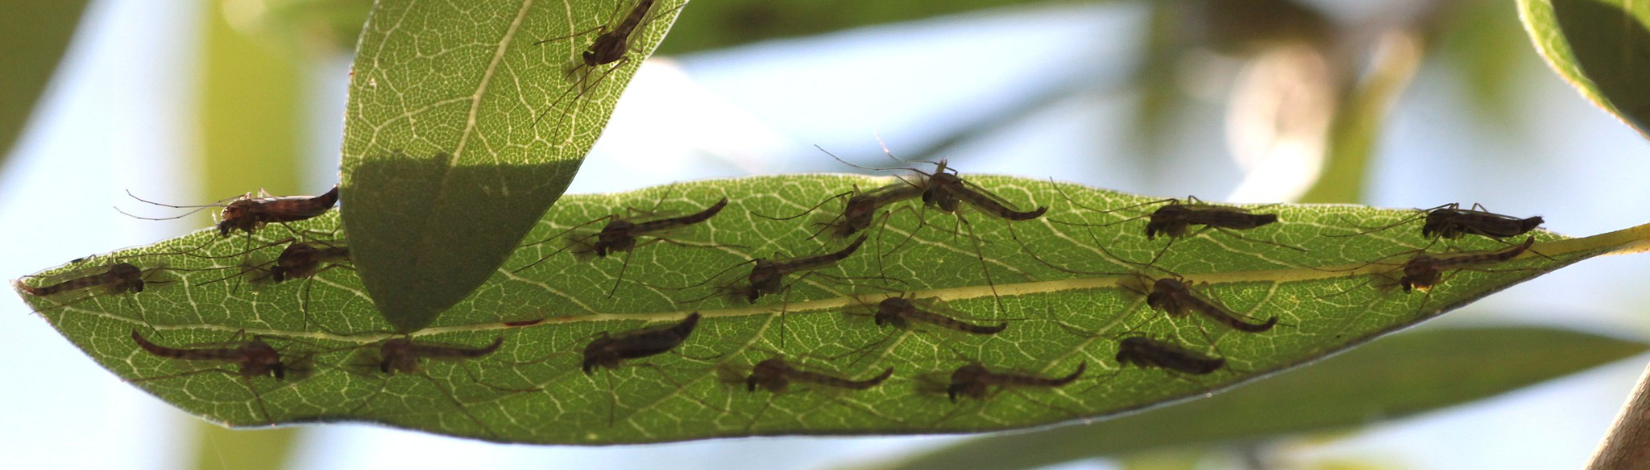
{"x":712,"y":25}
{"x":1473,"y":40}
{"x":532,"y":390}
{"x":243,"y":449}
{"x":446,"y":160}
{"x":728,"y":23}
{"x":34,"y":36}
{"x":1602,"y":47}
{"x":1397,"y":376}
{"x":319,"y":27}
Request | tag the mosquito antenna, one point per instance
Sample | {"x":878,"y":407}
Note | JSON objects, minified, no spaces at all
{"x":862,"y":167}
{"x":815,"y":206}
{"x":1108,"y":224}
{"x":707,"y":280}
{"x":570,"y":36}
{"x":1369,"y":230}
{"x":186,"y":214}
{"x":1114,"y":257}
{"x":939,"y":165}
{"x":217,"y":203}
{"x":1244,"y":238}
{"x":1027,"y":249}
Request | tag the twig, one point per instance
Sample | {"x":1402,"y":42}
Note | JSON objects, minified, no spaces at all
{"x":1627,"y":447}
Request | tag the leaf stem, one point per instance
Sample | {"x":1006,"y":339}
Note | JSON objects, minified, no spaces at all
{"x":1625,"y":241}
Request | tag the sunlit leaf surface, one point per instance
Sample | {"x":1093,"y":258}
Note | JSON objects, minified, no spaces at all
{"x":465,"y":121}
{"x":1327,"y":293}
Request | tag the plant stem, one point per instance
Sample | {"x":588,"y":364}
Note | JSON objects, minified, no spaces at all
{"x":1627,"y":447}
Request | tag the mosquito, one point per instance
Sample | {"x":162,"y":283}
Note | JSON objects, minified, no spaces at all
{"x":611,"y":350}
{"x":621,"y":234}
{"x":1450,"y":221}
{"x":612,"y":45}
{"x":902,"y":312}
{"x":247,"y":213}
{"x":1146,"y":352}
{"x":767,"y":276}
{"x":252,"y":359}
{"x":946,"y":191}
{"x":775,"y":375}
{"x":1175,"y":219}
{"x":1173,"y":296}
{"x":118,"y":278}
{"x":975,"y":380}
{"x":299,"y":260}
{"x":607,"y":351}
{"x":88,"y":282}
{"x":405,"y":356}
{"x":861,"y":209}
{"x":1424,"y":271}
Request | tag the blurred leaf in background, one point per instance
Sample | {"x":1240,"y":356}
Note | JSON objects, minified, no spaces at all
{"x":1473,"y":38}
{"x":315,"y":28}
{"x":250,"y":114}
{"x":34,"y":35}
{"x":1415,"y":372}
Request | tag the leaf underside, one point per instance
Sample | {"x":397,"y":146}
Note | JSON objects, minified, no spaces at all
{"x":532,"y":389}
{"x":459,"y":106}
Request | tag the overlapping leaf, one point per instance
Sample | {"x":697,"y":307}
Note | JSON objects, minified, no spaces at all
{"x":1602,"y":47}
{"x":1064,"y":309}
{"x":466,"y":120}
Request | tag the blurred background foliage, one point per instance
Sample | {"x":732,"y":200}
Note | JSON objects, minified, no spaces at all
{"x":1304,"y":88}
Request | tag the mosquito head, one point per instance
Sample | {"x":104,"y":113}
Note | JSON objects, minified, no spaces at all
{"x":889,"y":310}
{"x":768,"y":374}
{"x":1171,"y":227}
{"x":599,"y":353}
{"x":128,"y":278}
{"x":1420,"y":274}
{"x":968,"y":381}
{"x":1438,"y":224}
{"x":237,"y":215}
{"x":1163,"y":291}
{"x":397,"y":355}
{"x":260,"y":359}
{"x":1128,"y":351}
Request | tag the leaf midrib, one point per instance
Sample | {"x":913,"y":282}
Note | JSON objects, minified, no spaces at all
{"x":1625,"y":241}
